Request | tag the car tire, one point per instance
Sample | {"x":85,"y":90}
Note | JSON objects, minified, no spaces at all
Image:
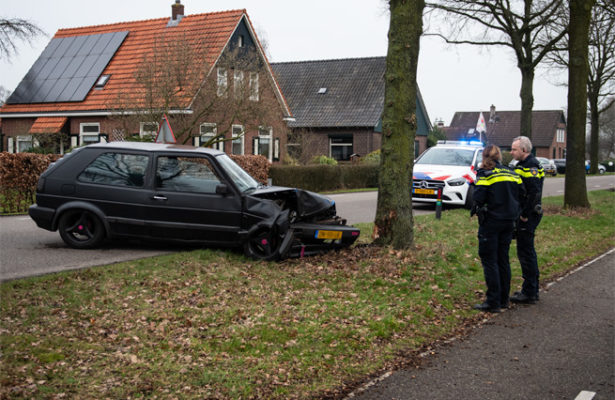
{"x":81,"y":229}
{"x":264,"y":244}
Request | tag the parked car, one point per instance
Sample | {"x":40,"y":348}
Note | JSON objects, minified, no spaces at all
{"x":601,"y":168}
{"x":560,"y":164}
{"x":548,"y":166}
{"x":449,"y":166}
{"x":181,"y":193}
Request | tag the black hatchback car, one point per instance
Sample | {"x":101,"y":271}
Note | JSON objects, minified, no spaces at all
{"x":181,"y":193}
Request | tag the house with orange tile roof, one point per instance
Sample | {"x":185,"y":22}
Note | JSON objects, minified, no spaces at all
{"x":207,"y":72}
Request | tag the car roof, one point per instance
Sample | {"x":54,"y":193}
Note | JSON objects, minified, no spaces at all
{"x":459,"y":144}
{"x":154,"y":147}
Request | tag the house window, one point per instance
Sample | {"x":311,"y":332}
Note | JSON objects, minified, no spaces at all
{"x":238,"y":140}
{"x":208,"y":132}
{"x":102,"y":81}
{"x":263,"y":144}
{"x":340,"y":147}
{"x":24,"y":143}
{"x":560,"y":136}
{"x":240,"y":41}
{"x":238,"y":83}
{"x":148,"y":129}
{"x":222,"y":82}
{"x":89,"y":133}
{"x":254,"y":86}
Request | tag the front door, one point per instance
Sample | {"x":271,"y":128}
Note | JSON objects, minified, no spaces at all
{"x":184,"y":203}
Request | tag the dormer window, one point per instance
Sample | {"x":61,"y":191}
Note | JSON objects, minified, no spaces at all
{"x":102,"y":81}
{"x":322,"y":90}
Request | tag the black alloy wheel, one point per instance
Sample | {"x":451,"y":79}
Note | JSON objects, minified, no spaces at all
{"x":81,"y":229}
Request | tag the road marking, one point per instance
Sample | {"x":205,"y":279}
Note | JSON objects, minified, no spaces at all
{"x":585,"y":395}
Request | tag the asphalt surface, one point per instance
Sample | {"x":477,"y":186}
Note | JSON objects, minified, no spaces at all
{"x":563,"y":347}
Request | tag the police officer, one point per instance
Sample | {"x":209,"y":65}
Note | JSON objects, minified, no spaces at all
{"x":496,"y":202}
{"x":532,"y":175}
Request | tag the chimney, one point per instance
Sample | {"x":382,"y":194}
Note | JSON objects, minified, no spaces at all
{"x":177,"y":10}
{"x":492,"y":113}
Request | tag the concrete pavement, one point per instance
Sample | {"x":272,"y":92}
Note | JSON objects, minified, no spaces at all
{"x":561,"y":348}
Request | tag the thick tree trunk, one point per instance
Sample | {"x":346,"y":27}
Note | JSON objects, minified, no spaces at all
{"x":575,"y":194}
{"x":527,"y":100}
{"x":394,"y":225}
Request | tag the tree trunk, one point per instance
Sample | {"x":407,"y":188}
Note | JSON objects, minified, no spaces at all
{"x":394,"y":225}
{"x":575,"y":194}
{"x":594,"y":137}
{"x":527,"y":100}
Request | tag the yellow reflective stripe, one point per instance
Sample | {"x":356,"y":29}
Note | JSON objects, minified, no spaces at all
{"x":486,"y":181}
{"x":527,"y":172}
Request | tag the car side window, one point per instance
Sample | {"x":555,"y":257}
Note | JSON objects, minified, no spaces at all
{"x":116,"y":169}
{"x":186,"y":174}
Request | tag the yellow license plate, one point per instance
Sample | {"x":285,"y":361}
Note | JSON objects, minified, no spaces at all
{"x":328,"y":234}
{"x":424,"y":191}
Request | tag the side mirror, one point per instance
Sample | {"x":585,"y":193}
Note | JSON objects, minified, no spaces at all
{"x":222,"y":189}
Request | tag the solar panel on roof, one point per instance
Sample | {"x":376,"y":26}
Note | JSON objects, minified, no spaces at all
{"x":67,"y":69}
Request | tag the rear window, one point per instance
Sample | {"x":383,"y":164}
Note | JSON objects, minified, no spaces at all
{"x":116,"y":169}
{"x":447,"y":156}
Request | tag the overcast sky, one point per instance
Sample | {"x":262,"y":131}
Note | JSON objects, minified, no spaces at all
{"x":451,"y":78}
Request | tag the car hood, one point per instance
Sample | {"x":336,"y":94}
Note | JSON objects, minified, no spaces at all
{"x":307,"y":203}
{"x":442,"y":172}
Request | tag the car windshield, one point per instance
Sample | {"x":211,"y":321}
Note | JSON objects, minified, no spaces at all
{"x":241,"y":178}
{"x":447,"y":156}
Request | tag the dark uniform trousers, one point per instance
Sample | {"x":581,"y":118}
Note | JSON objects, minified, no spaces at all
{"x":527,"y":254}
{"x":494,"y":237}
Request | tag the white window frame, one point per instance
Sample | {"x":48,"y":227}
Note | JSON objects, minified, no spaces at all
{"x":254,"y":86}
{"x":560,"y":135}
{"x":143,"y":132}
{"x":238,"y":78}
{"x":241,"y":139}
{"x":240,"y":41}
{"x":222,"y":82}
{"x":83,"y":134}
{"x":269,"y":137}
{"x":24,"y":139}
{"x":205,"y":137}
{"x":338,"y":145}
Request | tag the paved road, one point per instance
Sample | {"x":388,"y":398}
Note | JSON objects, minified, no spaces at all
{"x":556,"y":349}
{"x":27,"y":250}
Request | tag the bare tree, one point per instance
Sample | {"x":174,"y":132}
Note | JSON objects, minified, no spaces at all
{"x":575,"y":193}
{"x":13,"y":30}
{"x":394,"y":224}
{"x":607,"y":132}
{"x":601,"y":79}
{"x":4,"y":94}
{"x":175,"y":80}
{"x":526,"y":26}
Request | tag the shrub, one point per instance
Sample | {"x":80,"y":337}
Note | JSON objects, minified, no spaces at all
{"x":325,"y":177}
{"x":372,"y":158}
{"x":323,"y":160}
{"x":19,"y":175}
{"x":257,"y":166}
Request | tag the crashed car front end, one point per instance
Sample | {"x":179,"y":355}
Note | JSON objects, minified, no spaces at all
{"x":293,"y":223}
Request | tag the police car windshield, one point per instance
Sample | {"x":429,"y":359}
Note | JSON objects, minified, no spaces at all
{"x":447,"y":156}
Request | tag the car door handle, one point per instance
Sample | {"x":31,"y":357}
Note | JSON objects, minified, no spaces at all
{"x":161,"y":198}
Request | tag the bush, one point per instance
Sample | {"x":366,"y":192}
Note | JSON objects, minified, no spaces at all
{"x":256,"y":166}
{"x":19,"y":175}
{"x":323,"y":160}
{"x":325,"y":177}
{"x":372,"y":158}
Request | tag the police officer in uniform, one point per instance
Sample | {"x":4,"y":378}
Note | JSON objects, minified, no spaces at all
{"x":496,"y":202}
{"x":532,"y":175}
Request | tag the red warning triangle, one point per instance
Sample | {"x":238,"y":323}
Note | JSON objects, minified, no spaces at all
{"x":165,"y":133}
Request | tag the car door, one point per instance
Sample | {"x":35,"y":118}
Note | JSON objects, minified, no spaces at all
{"x":184,"y":203}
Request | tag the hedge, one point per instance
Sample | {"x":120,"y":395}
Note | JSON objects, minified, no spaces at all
{"x":19,"y":175}
{"x":325,"y":177}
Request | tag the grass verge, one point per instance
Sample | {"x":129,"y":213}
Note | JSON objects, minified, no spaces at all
{"x":213,"y":324}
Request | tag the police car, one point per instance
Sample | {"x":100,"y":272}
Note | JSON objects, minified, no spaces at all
{"x":450,"y":166}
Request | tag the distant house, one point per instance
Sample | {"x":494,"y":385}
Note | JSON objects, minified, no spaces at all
{"x":337,"y":106}
{"x":107,"y":82}
{"x":548,"y":129}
